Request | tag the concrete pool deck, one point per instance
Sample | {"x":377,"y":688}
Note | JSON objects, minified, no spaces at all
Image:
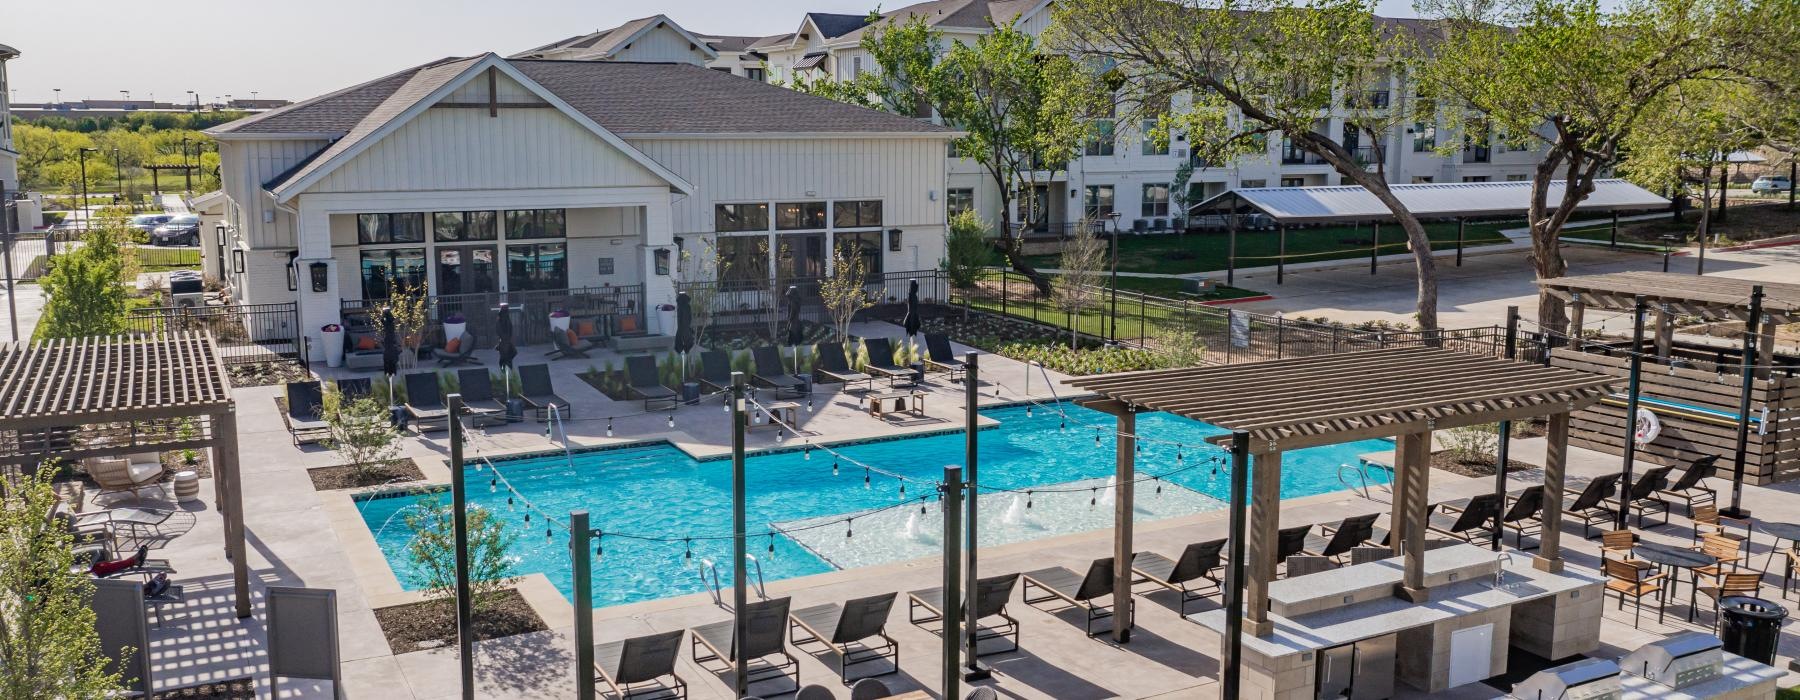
{"x":302,"y":537}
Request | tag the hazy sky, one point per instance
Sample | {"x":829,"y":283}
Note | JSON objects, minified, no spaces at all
{"x":294,"y":49}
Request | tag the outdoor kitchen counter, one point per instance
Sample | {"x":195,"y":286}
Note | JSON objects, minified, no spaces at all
{"x":1742,"y":679}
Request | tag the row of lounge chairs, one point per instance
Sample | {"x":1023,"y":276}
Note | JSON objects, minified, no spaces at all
{"x":770,"y":371}
{"x":424,"y":403}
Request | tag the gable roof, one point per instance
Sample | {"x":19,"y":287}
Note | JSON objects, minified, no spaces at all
{"x":605,"y":43}
{"x":833,"y":25}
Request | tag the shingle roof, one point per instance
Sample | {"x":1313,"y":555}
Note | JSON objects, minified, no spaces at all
{"x":836,"y":25}
{"x":731,"y":43}
{"x":331,"y":113}
{"x":420,"y":84}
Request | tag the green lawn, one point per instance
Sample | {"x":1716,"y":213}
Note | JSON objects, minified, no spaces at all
{"x":1196,"y":252}
{"x":1176,"y":288}
{"x":165,"y":259}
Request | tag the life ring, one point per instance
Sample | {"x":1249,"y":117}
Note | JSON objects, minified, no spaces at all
{"x":1648,"y":427}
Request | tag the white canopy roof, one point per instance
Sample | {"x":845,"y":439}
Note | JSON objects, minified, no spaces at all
{"x":1299,"y":205}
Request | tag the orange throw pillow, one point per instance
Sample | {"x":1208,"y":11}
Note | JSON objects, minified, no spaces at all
{"x":367,"y":342}
{"x":452,"y":346}
{"x":573,"y":339}
{"x":627,"y":324}
{"x":584,"y":329}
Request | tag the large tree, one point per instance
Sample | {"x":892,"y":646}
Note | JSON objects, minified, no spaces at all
{"x":1231,"y":74}
{"x":1577,"y":80}
{"x":48,"y":646}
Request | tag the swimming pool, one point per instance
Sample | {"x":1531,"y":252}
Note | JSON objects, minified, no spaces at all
{"x":655,"y":489}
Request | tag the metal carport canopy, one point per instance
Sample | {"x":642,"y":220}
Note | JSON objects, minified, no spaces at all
{"x":1346,"y":203}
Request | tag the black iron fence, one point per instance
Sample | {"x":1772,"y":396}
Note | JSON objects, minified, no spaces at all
{"x":615,"y":310}
{"x":750,"y":303}
{"x":245,"y":333}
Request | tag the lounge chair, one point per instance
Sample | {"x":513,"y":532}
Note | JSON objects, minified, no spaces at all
{"x":772,"y":373}
{"x":460,"y":350}
{"x":479,"y":401}
{"x":425,"y":402}
{"x":1290,"y":541}
{"x":939,"y":355}
{"x":1194,"y":566}
{"x":1092,"y":592}
{"x":881,"y":362}
{"x":830,"y":365}
{"x":1691,"y":488}
{"x":641,"y":381}
{"x":1525,"y":515}
{"x":1643,"y":497}
{"x":991,"y":596}
{"x":844,"y":630}
{"x":565,"y":348}
{"x":1353,"y":531}
{"x":641,"y":661}
{"x":536,"y":392}
{"x":715,"y":373}
{"x":1475,"y":519}
{"x":128,"y":527}
{"x":765,"y":623}
{"x":134,"y":474}
{"x":305,"y":413}
{"x":1591,"y":504}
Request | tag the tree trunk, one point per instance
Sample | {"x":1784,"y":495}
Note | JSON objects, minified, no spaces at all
{"x":1425,"y":308}
{"x":1010,"y":244}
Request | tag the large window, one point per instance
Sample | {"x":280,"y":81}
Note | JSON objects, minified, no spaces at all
{"x":1293,"y":182}
{"x":382,"y":269}
{"x":537,"y":266}
{"x":453,"y":226}
{"x":1151,"y":147}
{"x":1100,"y":138}
{"x":390,"y":228}
{"x":856,"y":214}
{"x":792,"y":216}
{"x":1424,"y":137}
{"x":1156,"y":199}
{"x":1099,"y":201}
{"x":959,"y":200}
{"x":535,"y":223}
{"x":1252,"y":184}
{"x":866,"y":245}
{"x":728,"y":218}
{"x":743,"y":259}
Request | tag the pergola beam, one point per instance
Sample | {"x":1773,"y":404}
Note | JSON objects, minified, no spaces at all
{"x":1711,"y":297}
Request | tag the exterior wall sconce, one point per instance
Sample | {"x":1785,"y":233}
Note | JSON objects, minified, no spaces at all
{"x":220,"y":230}
{"x":662,"y":261}
{"x":893,"y":240}
{"x":293,"y":271}
{"x":321,"y":282}
{"x":237,"y":260}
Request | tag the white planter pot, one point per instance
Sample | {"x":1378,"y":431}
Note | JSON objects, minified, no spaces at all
{"x":454,"y":330}
{"x":334,"y":347}
{"x":559,"y":323}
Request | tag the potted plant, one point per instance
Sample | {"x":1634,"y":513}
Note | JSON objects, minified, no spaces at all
{"x":454,"y":325}
{"x":332,"y":335}
{"x":559,"y":319}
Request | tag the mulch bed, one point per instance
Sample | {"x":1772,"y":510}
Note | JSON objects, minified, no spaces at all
{"x":432,"y":624}
{"x":235,"y":689}
{"x":1443,"y":459}
{"x":266,"y":374}
{"x":172,"y":463}
{"x":343,"y":477}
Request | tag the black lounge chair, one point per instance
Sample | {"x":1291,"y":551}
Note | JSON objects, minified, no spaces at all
{"x":642,"y":382}
{"x":1475,"y":518}
{"x":477,"y":389}
{"x":564,"y":349}
{"x":1290,"y":541}
{"x":1092,"y":592}
{"x":938,"y":355}
{"x":772,"y":372}
{"x":1353,"y":531}
{"x":641,"y":661}
{"x":715,"y":372}
{"x":1591,"y":504}
{"x":1525,"y":515}
{"x":1195,"y":565}
{"x":991,"y":596}
{"x":881,"y":362}
{"x":306,"y":413}
{"x":464,"y":353}
{"x":536,"y":392}
{"x":1644,"y":499}
{"x":765,"y":623}
{"x":425,"y":402}
{"x":845,"y":629}
{"x":831,"y":365}
{"x":1691,"y":489}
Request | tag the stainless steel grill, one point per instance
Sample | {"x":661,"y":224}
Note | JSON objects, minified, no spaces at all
{"x":1678,"y":661}
{"x":1587,"y":679}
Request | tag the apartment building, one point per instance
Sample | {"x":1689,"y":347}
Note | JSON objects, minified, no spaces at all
{"x":9,"y":156}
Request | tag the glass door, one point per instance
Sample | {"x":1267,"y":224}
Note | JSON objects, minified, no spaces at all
{"x":466,"y":270}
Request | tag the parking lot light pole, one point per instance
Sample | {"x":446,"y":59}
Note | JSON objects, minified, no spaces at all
{"x":84,"y":185}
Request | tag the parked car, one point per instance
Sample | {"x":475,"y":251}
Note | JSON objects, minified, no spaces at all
{"x":1768,"y":184}
{"x":149,"y":222}
{"x":184,"y":229}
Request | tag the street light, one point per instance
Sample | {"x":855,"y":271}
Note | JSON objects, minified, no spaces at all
{"x":58,"y":99}
{"x":1113,"y":218}
{"x":119,"y":175}
{"x":187,"y":170}
{"x":84,"y":184}
{"x":196,"y":102}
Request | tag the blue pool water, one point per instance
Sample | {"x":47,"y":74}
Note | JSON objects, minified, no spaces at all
{"x":657,"y":490}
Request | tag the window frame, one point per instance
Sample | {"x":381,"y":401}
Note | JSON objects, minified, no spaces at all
{"x":861,"y":209}
{"x":1092,"y":208}
{"x":1150,"y":206}
{"x":465,"y":225}
{"x":535,"y":219}
{"x":1149,"y":144}
{"x":423,"y":273}
{"x":385,"y":229}
{"x":953,"y":194}
{"x":739,"y":214}
{"x":1094,"y":145}
{"x":807,"y":214}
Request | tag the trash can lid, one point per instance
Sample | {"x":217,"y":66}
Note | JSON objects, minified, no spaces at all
{"x":1752,"y":607}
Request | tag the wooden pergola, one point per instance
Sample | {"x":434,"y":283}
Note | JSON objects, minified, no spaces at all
{"x":1281,"y":405}
{"x":1670,"y":294}
{"x":71,"y":399}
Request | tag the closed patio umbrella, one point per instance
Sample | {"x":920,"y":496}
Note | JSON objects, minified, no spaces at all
{"x":390,"y":350}
{"x":794,"y":337}
{"x":503,"y":329}
{"x":684,"y":329}
{"x":911,"y":322}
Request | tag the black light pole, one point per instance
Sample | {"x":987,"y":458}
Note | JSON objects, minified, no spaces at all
{"x":1668,"y":247}
{"x":459,"y":504}
{"x":6,"y":245}
{"x":1631,"y":406}
{"x":119,"y":175}
{"x":1748,"y":367}
{"x":739,"y":597}
{"x":579,"y":535}
{"x":84,"y":185}
{"x":952,"y":611}
{"x":1501,"y":451}
{"x":1113,"y":333}
{"x":1374,"y":247}
{"x":1234,"y":581}
{"x":187,"y":171}
{"x":974,"y":670}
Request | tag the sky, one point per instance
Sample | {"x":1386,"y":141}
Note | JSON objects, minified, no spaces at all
{"x":294,"y":49}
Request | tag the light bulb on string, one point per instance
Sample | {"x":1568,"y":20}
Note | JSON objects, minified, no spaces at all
{"x":671,"y":419}
{"x":1027,"y":411}
{"x":599,"y":548}
{"x":509,"y":503}
{"x":1062,"y":425}
{"x":809,"y":406}
{"x":771,"y":546}
{"x":806,"y":453}
{"x":1178,"y":458}
{"x":609,"y":432}
{"x":687,"y":545}
{"x":527,"y":517}
{"x":727,"y":407}
{"x":834,"y":466}
{"x":548,"y":538}
{"x":1158,"y":481}
{"x":1096,"y":437}
{"x":1093,"y":497}
{"x":1027,"y":500}
{"x":780,"y":435}
{"x":902,"y":489}
{"x":493,"y":485}
{"x":848,"y":530}
{"x":866,"y":478}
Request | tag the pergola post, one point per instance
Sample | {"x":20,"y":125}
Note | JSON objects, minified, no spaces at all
{"x":1125,"y":466}
{"x":1577,"y":318}
{"x":1412,"y":463}
{"x":1556,"y":460}
{"x":229,"y":486}
{"x":1665,"y":332}
{"x":1265,"y":526}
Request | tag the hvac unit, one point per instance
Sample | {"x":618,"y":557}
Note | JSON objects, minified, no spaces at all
{"x":189,"y":300}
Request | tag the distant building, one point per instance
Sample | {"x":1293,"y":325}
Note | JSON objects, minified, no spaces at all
{"x":21,"y":211}
{"x":98,"y":109}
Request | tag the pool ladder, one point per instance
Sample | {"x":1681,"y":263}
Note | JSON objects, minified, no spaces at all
{"x":717,"y":585}
{"x":1356,"y":478}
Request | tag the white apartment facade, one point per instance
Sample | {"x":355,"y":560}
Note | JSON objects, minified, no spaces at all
{"x":491,"y":175}
{"x":9,"y":155}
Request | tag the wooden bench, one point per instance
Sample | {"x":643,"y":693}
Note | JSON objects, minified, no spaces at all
{"x":912,"y":402}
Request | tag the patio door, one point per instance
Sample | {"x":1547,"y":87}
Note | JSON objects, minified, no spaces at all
{"x":466,"y":269}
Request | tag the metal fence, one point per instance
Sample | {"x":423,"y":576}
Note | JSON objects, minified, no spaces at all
{"x":245,"y":333}
{"x":749,"y":303}
{"x":29,"y":253}
{"x":620,"y":307}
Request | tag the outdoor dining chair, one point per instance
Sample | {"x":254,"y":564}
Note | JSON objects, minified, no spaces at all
{"x":765,"y":623}
{"x":1629,"y":579}
{"x":1738,"y":584}
{"x":1092,"y":592}
{"x":643,"y":662}
{"x":425,"y":402}
{"x":642,"y":382}
{"x":537,"y":393}
{"x":1617,"y":542}
{"x":1706,"y":520}
{"x":831,"y":365}
{"x":991,"y":596}
{"x":845,"y":630}
{"x":1730,"y":553}
{"x":1190,"y":575}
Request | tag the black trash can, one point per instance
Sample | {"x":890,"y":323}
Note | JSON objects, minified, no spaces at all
{"x":1751,"y":627}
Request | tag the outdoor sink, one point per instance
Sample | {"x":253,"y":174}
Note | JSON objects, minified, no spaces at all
{"x":1515,"y":584}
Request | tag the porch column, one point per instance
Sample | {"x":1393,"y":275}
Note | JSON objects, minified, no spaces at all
{"x":1556,"y":458}
{"x":1125,"y":448}
{"x":1665,"y":331}
{"x":1265,"y":524}
{"x":316,"y":308}
{"x":225,"y":470}
{"x":659,"y":233}
{"x":1412,"y":460}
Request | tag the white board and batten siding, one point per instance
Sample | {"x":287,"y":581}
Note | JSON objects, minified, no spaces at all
{"x":661,"y":45}
{"x":250,"y":164}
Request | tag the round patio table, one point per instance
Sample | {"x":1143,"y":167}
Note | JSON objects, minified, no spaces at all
{"x":1780,"y":531}
{"x":1677,"y":558}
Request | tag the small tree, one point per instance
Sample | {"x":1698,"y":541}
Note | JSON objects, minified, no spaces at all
{"x":362,"y":434}
{"x":86,"y":287}
{"x":1078,"y":285}
{"x":843,"y":293}
{"x":1472,"y":443}
{"x":432,"y":552}
{"x":968,"y":250}
{"x":48,"y":646}
{"x":1177,"y":347}
{"x":408,"y":304}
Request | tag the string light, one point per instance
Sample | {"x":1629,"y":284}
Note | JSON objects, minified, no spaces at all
{"x":687,"y":545}
{"x":1158,"y":485}
{"x":849,"y":530}
{"x":834,"y":466}
{"x":671,"y":419}
{"x":1027,"y":411}
{"x":866,"y":477}
{"x":806,"y":452}
{"x":780,"y":434}
{"x":1093,"y":497}
{"x":609,"y":432}
{"x":599,"y":550}
{"x":1027,"y":500}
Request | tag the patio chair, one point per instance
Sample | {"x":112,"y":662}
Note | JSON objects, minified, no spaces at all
{"x":479,"y":401}
{"x":881,"y":362}
{"x":1691,"y":488}
{"x":991,"y":596}
{"x":1195,"y":565}
{"x":537,"y":393}
{"x":133,"y":526}
{"x":305,"y":413}
{"x":1092,"y":592}
{"x":1643,"y":494}
{"x":641,"y":661}
{"x":1474,"y":520}
{"x":845,"y":629}
{"x":1592,"y":505}
{"x":1353,"y":531}
{"x":830,"y":365}
{"x":772,"y":372}
{"x":456,"y":351}
{"x":939,"y":355}
{"x":715,"y":372}
{"x":132,"y":474}
{"x":641,"y":381}
{"x":425,"y":402}
{"x":567,"y":345}
{"x":1617,"y":542}
{"x":764,"y":636}
{"x":1744,"y":584}
{"x":869,"y":689}
{"x":1626,"y":578}
{"x":1793,"y":567}
{"x":1708,"y":520}
{"x":1525,"y":515}
{"x":1730,"y":555}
